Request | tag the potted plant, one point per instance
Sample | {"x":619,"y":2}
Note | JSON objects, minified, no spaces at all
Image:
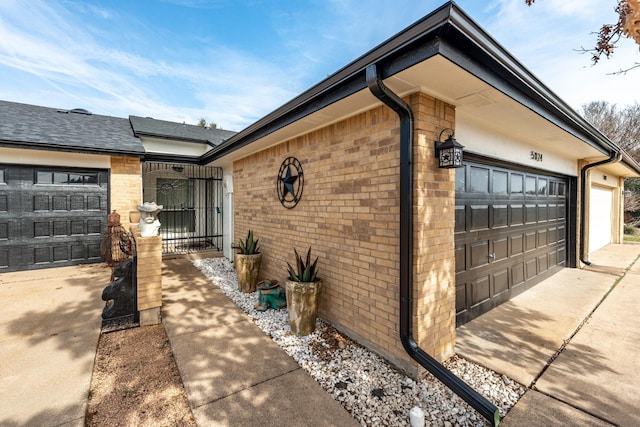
{"x":303,"y":291}
{"x":247,"y":263}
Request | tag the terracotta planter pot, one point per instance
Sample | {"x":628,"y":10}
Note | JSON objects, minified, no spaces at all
{"x":302,"y":304}
{"x":247,"y":268}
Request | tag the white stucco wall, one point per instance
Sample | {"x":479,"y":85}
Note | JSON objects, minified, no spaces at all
{"x":488,"y":141}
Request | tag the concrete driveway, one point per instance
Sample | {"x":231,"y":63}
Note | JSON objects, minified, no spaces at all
{"x":572,"y":340}
{"x":49,"y":329}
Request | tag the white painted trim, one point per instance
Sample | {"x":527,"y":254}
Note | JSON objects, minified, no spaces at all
{"x":54,"y":158}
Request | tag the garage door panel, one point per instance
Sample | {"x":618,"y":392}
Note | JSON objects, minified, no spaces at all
{"x":530,"y":240}
{"x":517,"y":244}
{"x":513,"y":235}
{"x":500,"y":282}
{"x":552,"y":258}
{"x":460,"y":217}
{"x":479,"y":217}
{"x":530,"y":268}
{"x":561,"y":212}
{"x":500,"y":216}
{"x":479,"y":254}
{"x":461,"y":297}
{"x":500,"y":249}
{"x":52,"y":224}
{"x":562,"y":256}
{"x":530,"y":216}
{"x":4,"y":258}
{"x":562,"y":233}
{"x":461,"y":258}
{"x":517,"y":215}
{"x":96,"y":203}
{"x":542,"y":238}
{"x":480,"y":290}
{"x":543,"y":263}
{"x":517,"y":274}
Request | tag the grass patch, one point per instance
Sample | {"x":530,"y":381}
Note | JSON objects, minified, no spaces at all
{"x":628,"y":238}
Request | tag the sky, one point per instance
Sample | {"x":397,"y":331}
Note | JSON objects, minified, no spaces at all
{"x":232,"y":62}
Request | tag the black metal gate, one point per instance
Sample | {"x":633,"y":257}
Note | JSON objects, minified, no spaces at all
{"x":191,"y":197}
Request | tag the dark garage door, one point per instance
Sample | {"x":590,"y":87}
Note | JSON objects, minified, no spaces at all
{"x":51,"y":217}
{"x":510,"y":234}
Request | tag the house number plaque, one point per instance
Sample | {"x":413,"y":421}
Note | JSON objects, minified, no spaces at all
{"x":536,"y":156}
{"x":290,"y":182}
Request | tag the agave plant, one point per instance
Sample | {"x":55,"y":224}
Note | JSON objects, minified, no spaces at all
{"x":249,"y":246}
{"x":306,"y":271}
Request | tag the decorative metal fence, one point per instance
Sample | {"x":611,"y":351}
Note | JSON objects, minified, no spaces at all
{"x":191,"y":197}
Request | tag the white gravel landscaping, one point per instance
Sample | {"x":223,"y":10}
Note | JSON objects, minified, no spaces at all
{"x":374,"y":392}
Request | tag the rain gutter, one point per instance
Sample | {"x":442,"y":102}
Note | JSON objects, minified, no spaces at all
{"x":459,"y":387}
{"x":614,"y":157}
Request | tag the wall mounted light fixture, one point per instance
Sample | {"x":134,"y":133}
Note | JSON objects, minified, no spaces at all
{"x":449,"y":152}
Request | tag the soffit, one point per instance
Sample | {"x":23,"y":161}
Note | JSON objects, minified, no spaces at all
{"x":441,"y":78}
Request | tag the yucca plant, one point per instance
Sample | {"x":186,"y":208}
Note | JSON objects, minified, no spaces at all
{"x":249,"y":246}
{"x":306,"y":271}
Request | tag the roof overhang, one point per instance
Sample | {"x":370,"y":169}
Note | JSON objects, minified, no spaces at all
{"x":446,"y":55}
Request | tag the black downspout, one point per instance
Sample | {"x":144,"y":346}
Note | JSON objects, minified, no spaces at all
{"x":613,"y":157}
{"x":459,"y":387}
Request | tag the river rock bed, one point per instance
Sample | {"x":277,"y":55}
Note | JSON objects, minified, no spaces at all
{"x":374,"y":392}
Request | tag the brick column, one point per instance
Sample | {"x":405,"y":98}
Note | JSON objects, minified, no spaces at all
{"x":149,"y":250}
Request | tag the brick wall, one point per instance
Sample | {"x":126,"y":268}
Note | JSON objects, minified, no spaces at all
{"x":125,"y":186}
{"x":149,"y":269}
{"x":434,"y":222}
{"x":349,"y":214}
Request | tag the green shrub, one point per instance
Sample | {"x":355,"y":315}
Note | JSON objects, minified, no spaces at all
{"x":306,"y":271}
{"x":249,"y":246}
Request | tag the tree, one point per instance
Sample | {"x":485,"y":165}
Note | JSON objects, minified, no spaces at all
{"x":621,"y":126}
{"x":628,"y":25}
{"x":203,"y":123}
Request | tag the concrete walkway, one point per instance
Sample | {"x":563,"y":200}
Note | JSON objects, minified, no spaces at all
{"x":233,"y":373}
{"x":49,"y":329}
{"x":573,"y":340}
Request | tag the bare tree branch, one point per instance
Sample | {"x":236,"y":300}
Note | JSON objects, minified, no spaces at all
{"x":628,"y":25}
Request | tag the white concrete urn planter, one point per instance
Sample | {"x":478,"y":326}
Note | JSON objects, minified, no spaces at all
{"x":302,"y":304}
{"x":248,"y":269}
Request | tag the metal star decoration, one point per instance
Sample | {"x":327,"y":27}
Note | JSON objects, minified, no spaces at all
{"x":290,"y":182}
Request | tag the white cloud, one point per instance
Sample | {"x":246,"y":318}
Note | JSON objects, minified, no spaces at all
{"x":233,"y":92}
{"x":102,"y":59}
{"x":547,"y":37}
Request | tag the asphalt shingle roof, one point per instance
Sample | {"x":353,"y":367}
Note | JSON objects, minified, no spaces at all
{"x":160,"y":128}
{"x":31,"y":126}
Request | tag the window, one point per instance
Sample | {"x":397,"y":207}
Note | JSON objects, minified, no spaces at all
{"x":479,"y":180}
{"x":499,"y":182}
{"x":531,"y":185}
{"x":2,"y":177}
{"x":67,"y":178}
{"x":542,"y":186}
{"x":516,"y":183}
{"x":460,"y":179}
